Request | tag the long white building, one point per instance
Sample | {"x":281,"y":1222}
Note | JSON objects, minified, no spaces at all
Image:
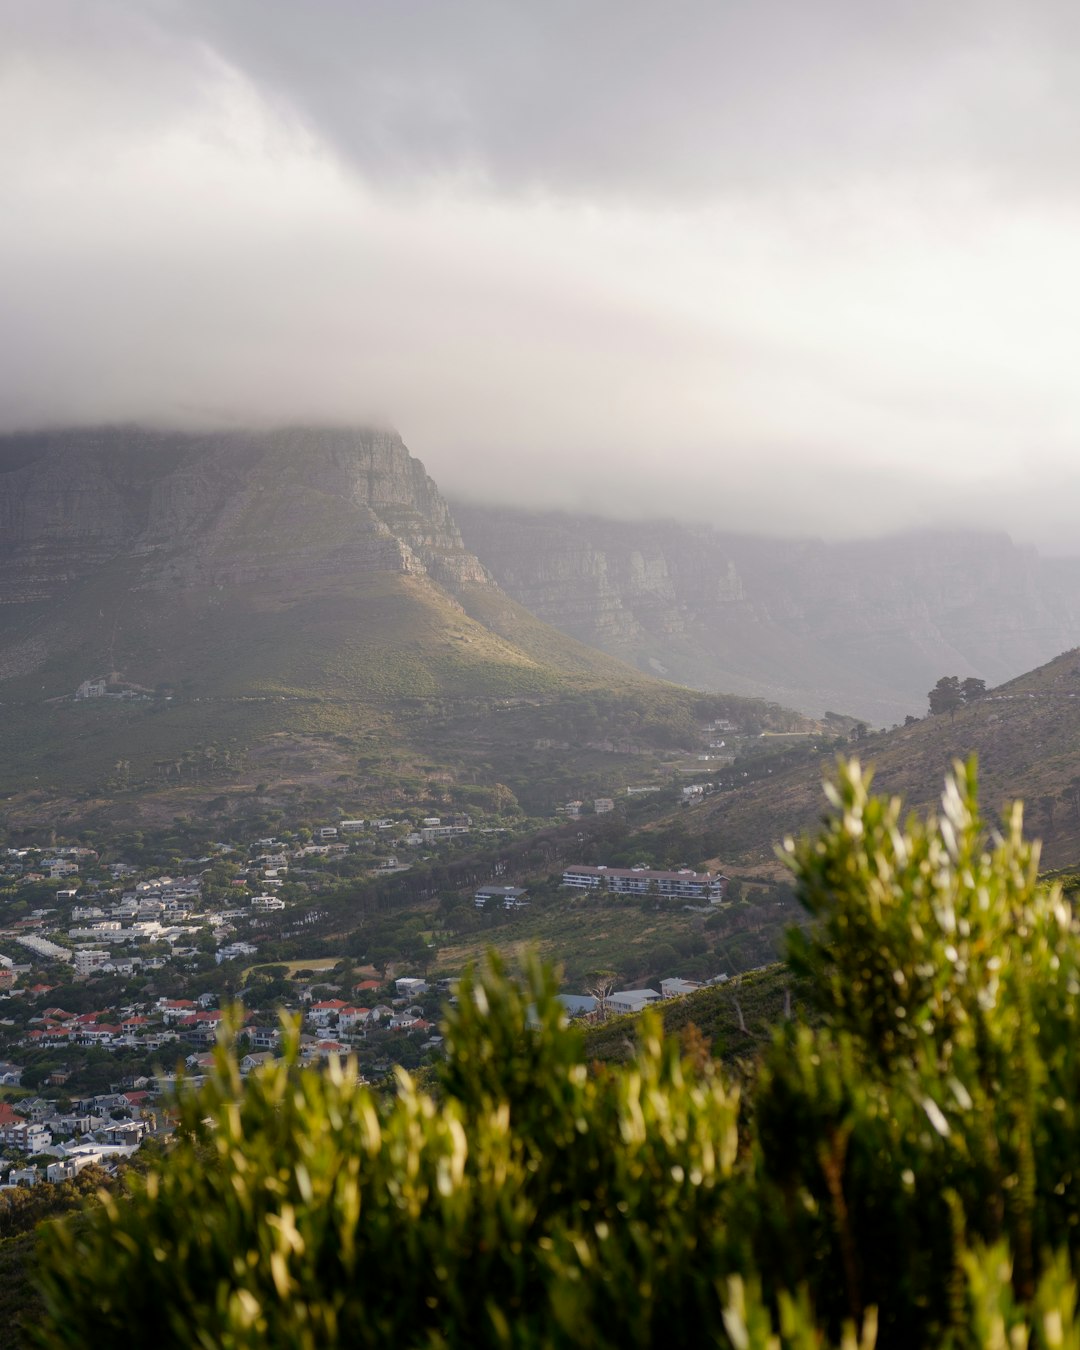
{"x":683,"y":885}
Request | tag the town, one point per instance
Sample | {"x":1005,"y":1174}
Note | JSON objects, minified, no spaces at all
{"x":116,"y":979}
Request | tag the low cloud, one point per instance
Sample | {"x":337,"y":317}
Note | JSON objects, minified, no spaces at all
{"x":790,"y":268}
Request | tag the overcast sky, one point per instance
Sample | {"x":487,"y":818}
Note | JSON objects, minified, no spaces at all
{"x":803,"y":267}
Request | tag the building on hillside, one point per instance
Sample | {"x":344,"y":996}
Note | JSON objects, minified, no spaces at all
{"x":677,"y":988}
{"x":510,"y":897}
{"x":86,"y":962}
{"x":432,"y":834}
{"x":602,"y":805}
{"x":681,"y":885}
{"x":631,"y":1000}
{"x":410,"y":986}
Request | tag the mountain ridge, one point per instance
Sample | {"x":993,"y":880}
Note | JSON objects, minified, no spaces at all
{"x":860,"y":627}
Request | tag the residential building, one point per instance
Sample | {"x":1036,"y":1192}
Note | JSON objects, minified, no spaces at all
{"x":677,"y":988}
{"x":510,"y":897}
{"x":682,"y":885}
{"x":631,"y":1000}
{"x":87,"y":961}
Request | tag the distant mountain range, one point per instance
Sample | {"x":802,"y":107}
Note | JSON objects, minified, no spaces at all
{"x":862,"y":628}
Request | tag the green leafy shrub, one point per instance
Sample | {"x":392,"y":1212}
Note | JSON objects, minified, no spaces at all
{"x":901,"y":1173}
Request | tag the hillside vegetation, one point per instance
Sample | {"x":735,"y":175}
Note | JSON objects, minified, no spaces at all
{"x":1025,"y":734}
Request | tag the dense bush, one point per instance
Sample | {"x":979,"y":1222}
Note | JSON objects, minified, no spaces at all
{"x":905,"y":1170}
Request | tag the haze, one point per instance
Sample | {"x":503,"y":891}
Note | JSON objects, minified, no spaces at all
{"x":785,"y":267}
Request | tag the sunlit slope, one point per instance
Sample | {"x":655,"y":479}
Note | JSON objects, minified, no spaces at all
{"x":1026,"y":735}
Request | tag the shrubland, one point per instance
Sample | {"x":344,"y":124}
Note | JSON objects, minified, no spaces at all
{"x":901,"y":1170}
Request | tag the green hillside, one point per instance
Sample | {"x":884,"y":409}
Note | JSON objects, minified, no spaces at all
{"x":1026,"y":735}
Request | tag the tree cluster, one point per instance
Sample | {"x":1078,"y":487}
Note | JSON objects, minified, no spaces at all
{"x":951,"y":693}
{"x":903,"y":1172}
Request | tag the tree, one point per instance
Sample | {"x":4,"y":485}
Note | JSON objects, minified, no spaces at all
{"x":908,"y":1164}
{"x":972,"y":689}
{"x":951,"y":693}
{"x":946,"y":696}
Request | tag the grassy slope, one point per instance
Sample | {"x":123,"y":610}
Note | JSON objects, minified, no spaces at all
{"x":585,"y":933}
{"x":1027,"y":737}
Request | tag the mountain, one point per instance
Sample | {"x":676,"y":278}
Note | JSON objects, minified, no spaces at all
{"x":864,"y":628}
{"x":295,"y":606}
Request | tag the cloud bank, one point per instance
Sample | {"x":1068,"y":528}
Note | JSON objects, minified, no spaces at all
{"x":796,"y":268}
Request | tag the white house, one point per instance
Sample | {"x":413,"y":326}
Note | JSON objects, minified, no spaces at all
{"x":632,"y":1000}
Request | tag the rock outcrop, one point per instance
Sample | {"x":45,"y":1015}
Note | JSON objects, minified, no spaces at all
{"x":219,"y":509}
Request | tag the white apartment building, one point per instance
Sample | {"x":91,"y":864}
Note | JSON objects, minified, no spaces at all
{"x":682,"y":885}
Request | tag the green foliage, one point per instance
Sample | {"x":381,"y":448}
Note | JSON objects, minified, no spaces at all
{"x":901,"y":1173}
{"x":316,"y":1213}
{"x":951,"y":693}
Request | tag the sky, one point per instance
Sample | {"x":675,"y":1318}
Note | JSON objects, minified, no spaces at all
{"x":787,"y":267}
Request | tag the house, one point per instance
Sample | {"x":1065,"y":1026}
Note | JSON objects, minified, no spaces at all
{"x":26,"y":1137}
{"x":511,"y":897}
{"x":327,"y":1050}
{"x":602,"y":805}
{"x":67,"y":1168}
{"x":577,"y":1005}
{"x":409,"y":986}
{"x":129,"y":1132}
{"x":677,"y":988}
{"x":322,"y":1013}
{"x":254,"y":1059}
{"x":235,"y":951}
{"x":264,"y":1038}
{"x":432,"y":834}
{"x":631,"y":1000}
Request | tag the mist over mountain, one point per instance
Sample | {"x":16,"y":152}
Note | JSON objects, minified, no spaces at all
{"x":863,"y":627}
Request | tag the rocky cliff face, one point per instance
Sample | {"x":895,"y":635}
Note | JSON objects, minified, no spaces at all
{"x":863,"y":628}
{"x":220,"y":509}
